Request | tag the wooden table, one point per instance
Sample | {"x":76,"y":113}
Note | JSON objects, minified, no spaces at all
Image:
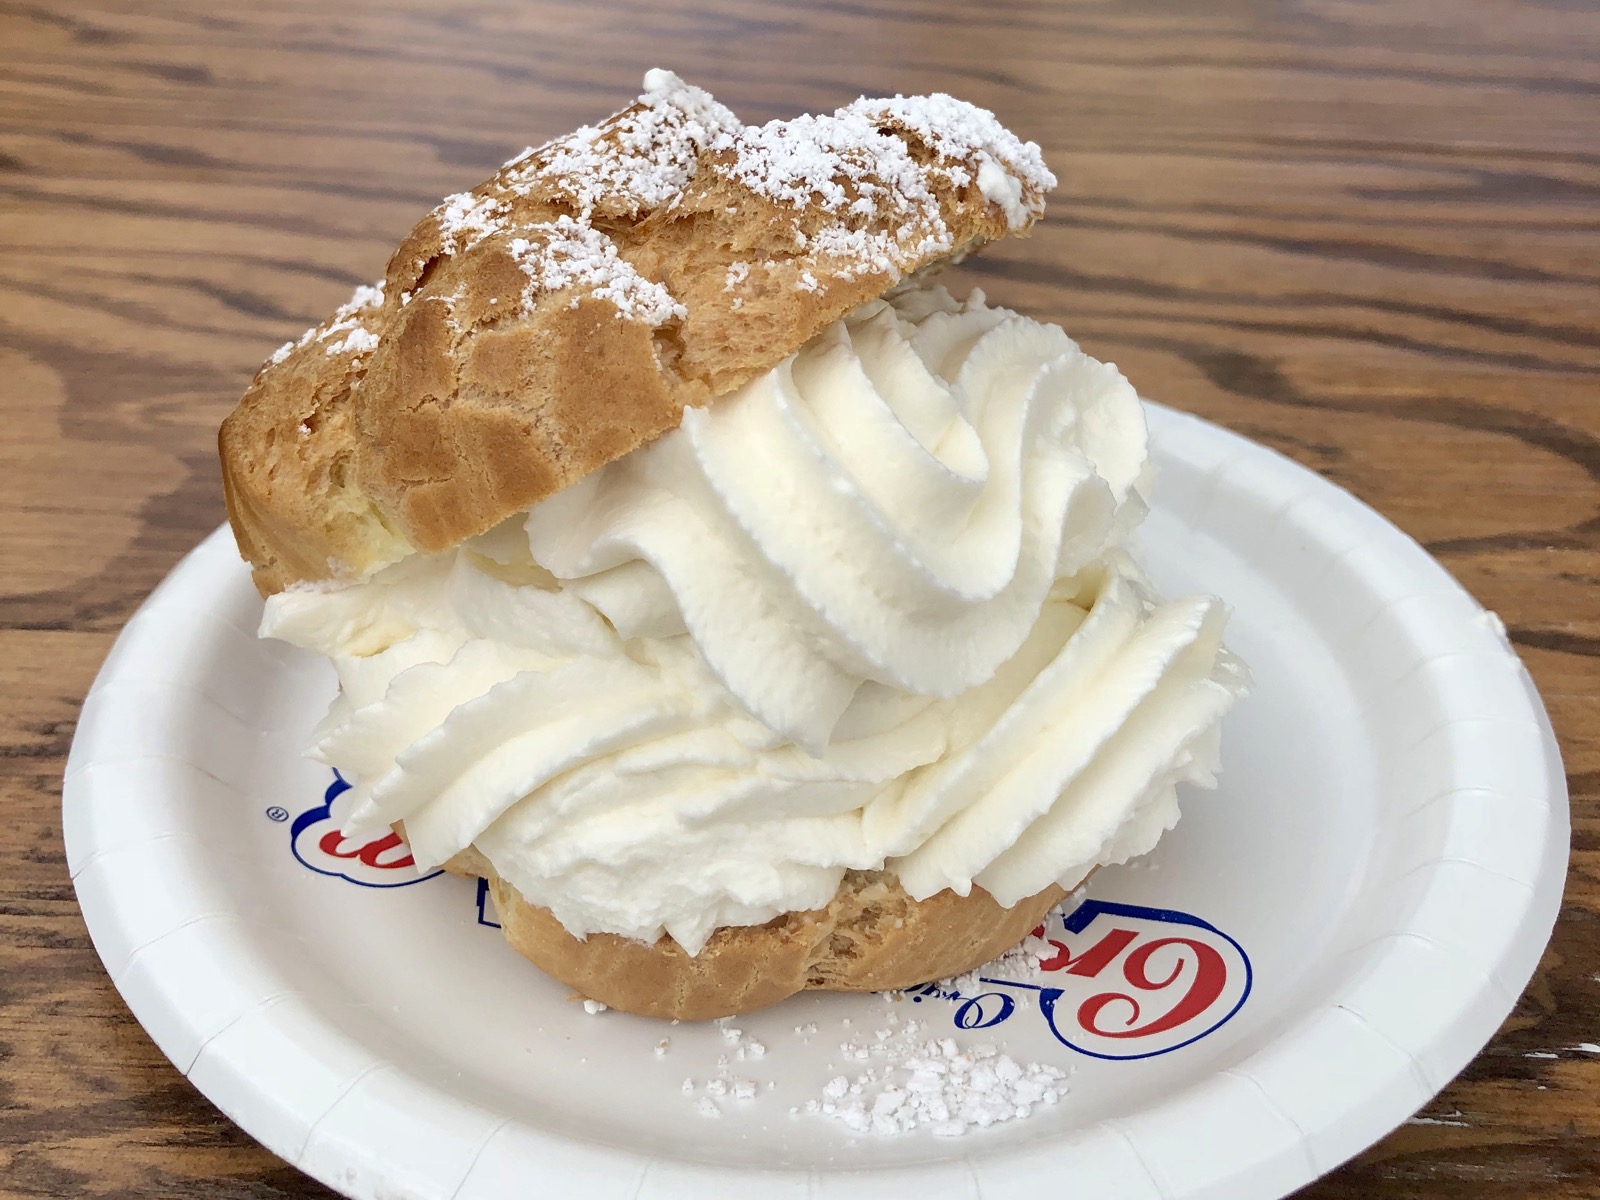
{"x":1365,"y":233}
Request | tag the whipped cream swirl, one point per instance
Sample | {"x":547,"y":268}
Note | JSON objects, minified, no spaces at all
{"x":868,"y":611}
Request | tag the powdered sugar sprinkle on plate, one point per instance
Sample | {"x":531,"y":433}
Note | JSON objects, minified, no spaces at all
{"x":935,"y":1084}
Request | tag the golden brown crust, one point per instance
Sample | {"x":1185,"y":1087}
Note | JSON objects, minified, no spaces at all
{"x":872,"y":937}
{"x":565,"y":312}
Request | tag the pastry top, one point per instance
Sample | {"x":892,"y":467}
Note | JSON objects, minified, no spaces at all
{"x":564,"y":312}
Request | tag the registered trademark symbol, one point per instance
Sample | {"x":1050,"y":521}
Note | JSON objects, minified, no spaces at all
{"x":275,"y":813}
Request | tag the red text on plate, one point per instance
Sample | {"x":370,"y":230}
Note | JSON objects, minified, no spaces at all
{"x":371,"y":853}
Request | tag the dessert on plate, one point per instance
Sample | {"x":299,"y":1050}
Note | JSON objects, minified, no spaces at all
{"x":750,"y":611}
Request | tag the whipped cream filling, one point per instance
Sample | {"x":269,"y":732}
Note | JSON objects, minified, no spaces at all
{"x":869,"y":611}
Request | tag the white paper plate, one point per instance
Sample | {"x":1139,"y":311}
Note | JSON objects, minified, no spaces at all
{"x":1376,"y":877}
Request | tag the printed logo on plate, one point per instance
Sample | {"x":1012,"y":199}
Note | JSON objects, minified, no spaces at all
{"x":1124,"y":982}
{"x":382,"y":860}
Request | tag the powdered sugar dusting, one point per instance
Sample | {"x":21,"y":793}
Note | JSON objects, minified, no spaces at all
{"x":899,"y":1079}
{"x":855,"y":164}
{"x":350,"y":335}
{"x":1024,"y":961}
{"x":357,"y":341}
{"x":465,"y":220}
{"x":1021,"y":962}
{"x":362,"y":299}
{"x":884,"y":215}
{"x":728,"y":1083}
{"x":641,"y":159}
{"x":935,"y":1084}
{"x":856,"y":167}
{"x":843,"y":164}
{"x":963,"y":132}
{"x":810,"y":159}
{"x":914,"y":1082}
{"x":566,"y":253}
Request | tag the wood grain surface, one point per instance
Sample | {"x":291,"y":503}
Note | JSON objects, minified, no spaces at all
{"x":1366,"y":233}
